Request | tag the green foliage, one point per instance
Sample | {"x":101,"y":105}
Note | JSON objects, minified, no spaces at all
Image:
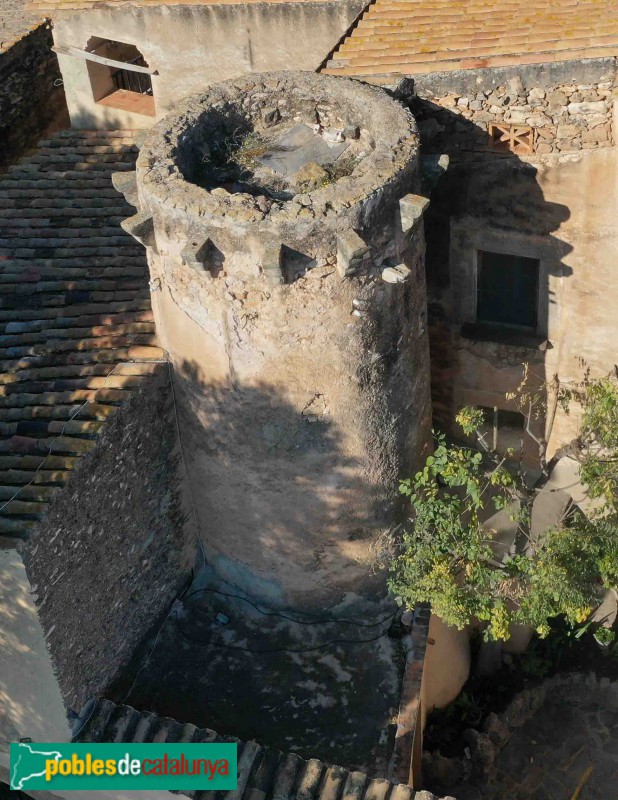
{"x":447,"y":557}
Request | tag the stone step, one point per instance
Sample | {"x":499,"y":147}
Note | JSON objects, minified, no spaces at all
{"x":22,"y":508}
{"x":51,"y":236}
{"x":72,"y":384}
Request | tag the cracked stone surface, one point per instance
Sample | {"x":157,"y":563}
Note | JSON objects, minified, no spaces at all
{"x":337,"y":703}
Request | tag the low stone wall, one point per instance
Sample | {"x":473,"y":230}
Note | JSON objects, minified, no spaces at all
{"x":566,"y":117}
{"x":31,"y":94}
{"x":113,"y":551}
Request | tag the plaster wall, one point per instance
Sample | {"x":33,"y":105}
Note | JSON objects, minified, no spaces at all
{"x":193,"y":46}
{"x":561,"y":210}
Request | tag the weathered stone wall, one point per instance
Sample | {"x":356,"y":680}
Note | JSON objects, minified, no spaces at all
{"x":30,"y":101}
{"x":114,"y":548}
{"x":194,"y":46}
{"x":567,"y":110}
{"x":302,"y":373}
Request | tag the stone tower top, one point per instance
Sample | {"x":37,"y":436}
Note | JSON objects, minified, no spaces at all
{"x":278,"y":167}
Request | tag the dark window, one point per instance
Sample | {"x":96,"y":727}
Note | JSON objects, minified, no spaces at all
{"x":133,"y":81}
{"x":507,"y":290}
{"x":118,"y":87}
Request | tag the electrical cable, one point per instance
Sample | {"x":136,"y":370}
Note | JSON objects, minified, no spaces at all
{"x":200,"y":643}
{"x":156,"y":641}
{"x":306,"y":621}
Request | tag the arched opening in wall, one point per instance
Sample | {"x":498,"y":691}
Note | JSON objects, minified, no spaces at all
{"x":120,"y":77}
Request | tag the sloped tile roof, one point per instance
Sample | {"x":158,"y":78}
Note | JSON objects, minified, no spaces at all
{"x":264,"y":773}
{"x":410,"y":37}
{"x":76,"y":327}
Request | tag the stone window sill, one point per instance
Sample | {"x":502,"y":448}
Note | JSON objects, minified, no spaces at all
{"x":484,"y":332}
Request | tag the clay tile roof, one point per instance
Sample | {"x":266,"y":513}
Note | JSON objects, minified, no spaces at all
{"x":76,"y":327}
{"x":410,"y":37}
{"x":263,"y":772}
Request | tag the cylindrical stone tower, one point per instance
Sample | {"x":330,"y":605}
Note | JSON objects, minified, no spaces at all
{"x":284,"y":235}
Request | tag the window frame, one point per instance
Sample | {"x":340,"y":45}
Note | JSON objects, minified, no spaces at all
{"x":478,"y":265}
{"x":468,"y":236}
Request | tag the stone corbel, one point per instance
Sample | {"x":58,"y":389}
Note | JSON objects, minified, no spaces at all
{"x":351,"y":253}
{"x":195,"y":255}
{"x":141,"y":227}
{"x":411,"y":208}
{"x":126,"y":184}
{"x":272,"y":268}
{"x":398,"y":274}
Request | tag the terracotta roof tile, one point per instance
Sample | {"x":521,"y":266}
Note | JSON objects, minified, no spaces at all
{"x":263,"y":772}
{"x":76,"y":329}
{"x":411,"y":37}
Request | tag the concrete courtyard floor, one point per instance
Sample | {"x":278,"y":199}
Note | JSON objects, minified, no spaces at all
{"x":320,"y":688}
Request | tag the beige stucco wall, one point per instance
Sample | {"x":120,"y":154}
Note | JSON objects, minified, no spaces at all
{"x":563,"y":211}
{"x":447,"y":665}
{"x":193,"y":46}
{"x":586,"y":324}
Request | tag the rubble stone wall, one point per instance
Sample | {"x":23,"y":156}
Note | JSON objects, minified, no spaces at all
{"x":31,"y":100}
{"x":114,"y":549}
{"x":571,"y":113}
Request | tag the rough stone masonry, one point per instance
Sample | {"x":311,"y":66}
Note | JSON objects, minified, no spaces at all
{"x":295,"y":320}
